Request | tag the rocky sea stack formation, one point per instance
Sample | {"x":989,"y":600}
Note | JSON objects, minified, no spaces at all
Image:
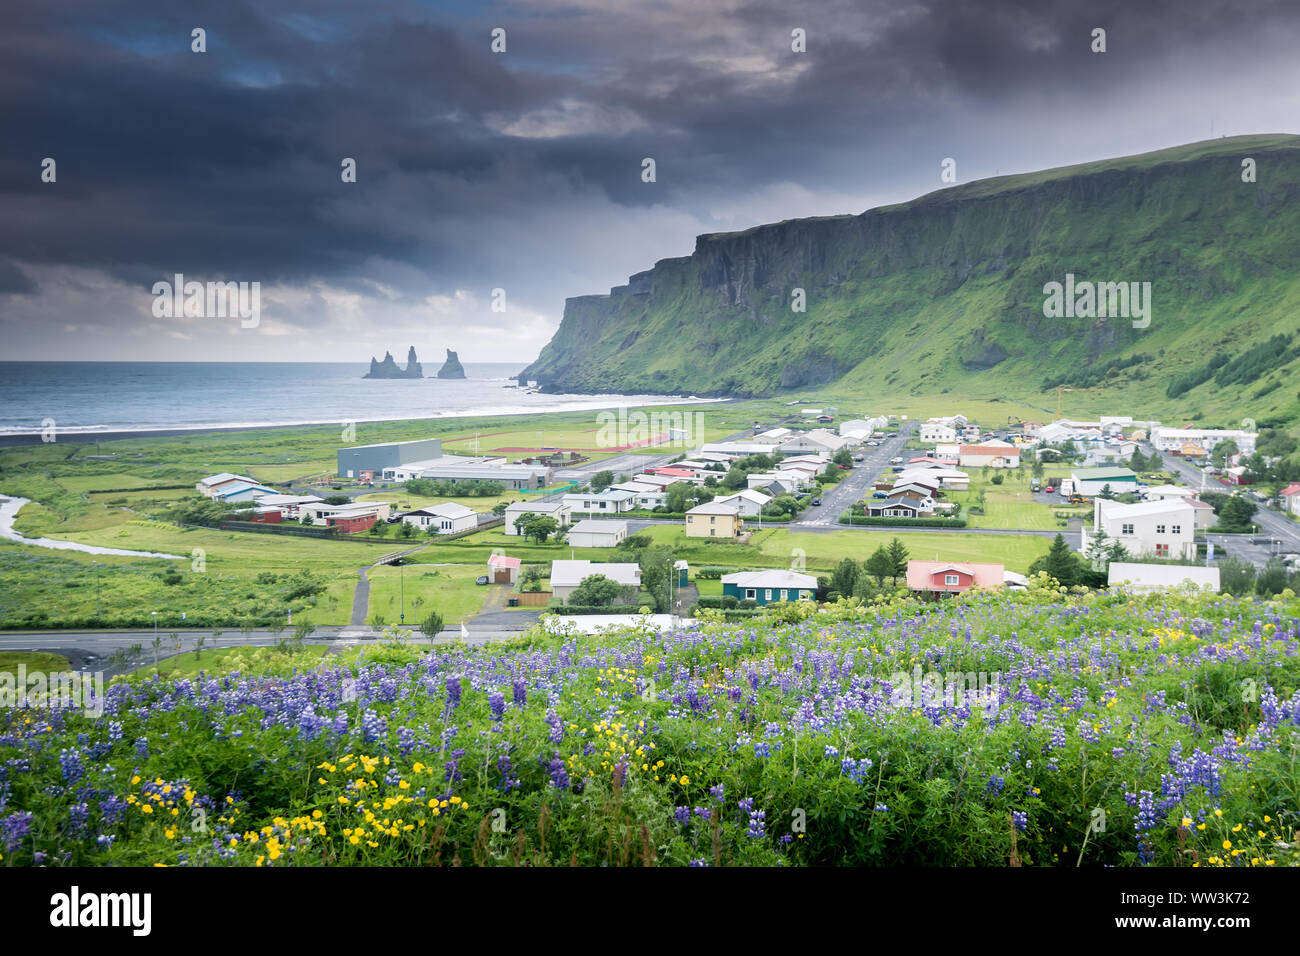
{"x":388,"y":367}
{"x":452,"y":367}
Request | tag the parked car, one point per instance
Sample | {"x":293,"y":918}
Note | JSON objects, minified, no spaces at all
{"x":879,"y":494}
{"x":896,"y":460}
{"x":481,"y":579}
{"x":859,"y":457}
{"x":1050,"y":490}
{"x":816,"y":502}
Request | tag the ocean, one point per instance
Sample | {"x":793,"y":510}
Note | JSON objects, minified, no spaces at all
{"x":90,"y":397}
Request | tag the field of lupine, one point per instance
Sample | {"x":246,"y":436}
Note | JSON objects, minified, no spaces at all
{"x":1105,"y":730}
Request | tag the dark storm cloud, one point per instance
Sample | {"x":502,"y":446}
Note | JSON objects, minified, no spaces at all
{"x":477,"y":170}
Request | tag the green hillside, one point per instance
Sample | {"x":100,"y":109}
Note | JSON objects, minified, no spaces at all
{"x":943,"y":295}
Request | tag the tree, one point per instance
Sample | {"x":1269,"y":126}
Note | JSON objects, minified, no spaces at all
{"x":338,"y":500}
{"x":1138,"y":462}
{"x":407,"y":530}
{"x":1272,"y":579}
{"x":431,"y":626}
{"x":601,"y":480}
{"x":541,"y":528}
{"x":843,"y":457}
{"x":656,"y":565}
{"x":898,"y":560}
{"x":1236,"y":513}
{"x":500,"y":507}
{"x":596,"y":590}
{"x":1223,"y":451}
{"x":1038,"y":468}
{"x":1237,"y":577}
{"x":303,"y":630}
{"x":1106,"y":492}
{"x":845,"y":578}
{"x":998,"y":478}
{"x":198,"y":647}
{"x":880,"y":565}
{"x":1059,"y":562}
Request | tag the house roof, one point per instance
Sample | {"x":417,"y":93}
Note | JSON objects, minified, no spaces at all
{"x":597,"y":526}
{"x":448,"y":509}
{"x":226,"y":476}
{"x":571,"y":573}
{"x":985,"y":575}
{"x":541,"y":507}
{"x":501,"y":561}
{"x":714,"y":508}
{"x":1102,"y":474}
{"x":1292,"y":489}
{"x":1002,"y":449}
{"x":1114,"y":509}
{"x":749,"y":494}
{"x":239,"y":487}
{"x":775,"y":578}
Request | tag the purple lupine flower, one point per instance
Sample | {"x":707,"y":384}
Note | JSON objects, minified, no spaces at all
{"x":557,"y":727}
{"x":520,"y":690}
{"x":716,"y":792}
{"x":682,"y":814}
{"x":757,"y":824}
{"x":559,"y":776}
{"x":14,"y":828}
{"x":453,"y":692}
{"x":1021,"y":819}
{"x":497,"y":705}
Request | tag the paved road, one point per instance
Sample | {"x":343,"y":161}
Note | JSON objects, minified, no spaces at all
{"x":855,"y":485}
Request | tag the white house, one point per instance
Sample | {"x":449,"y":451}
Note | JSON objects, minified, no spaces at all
{"x":549,"y":509}
{"x":940,"y":433}
{"x":1291,"y":497}
{"x":609,"y":501}
{"x":1162,"y":492}
{"x":991,"y":454}
{"x":1161,"y":529}
{"x":819,"y":441}
{"x":446,"y":518}
{"x":856,"y":429}
{"x":749,"y":502}
{"x":319,"y":513}
{"x":952,"y":478}
{"x":1159,"y":577}
{"x":287,"y":505}
{"x":1173,"y":439}
{"x":239,"y":491}
{"x":567,"y":575}
{"x":210,"y":484}
{"x":595,"y":533}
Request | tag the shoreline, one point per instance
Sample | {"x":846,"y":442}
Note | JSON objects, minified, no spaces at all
{"x":16,"y":440}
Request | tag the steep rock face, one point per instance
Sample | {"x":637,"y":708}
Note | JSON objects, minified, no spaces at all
{"x":452,"y":367}
{"x":948,"y":290}
{"x":388,"y":367}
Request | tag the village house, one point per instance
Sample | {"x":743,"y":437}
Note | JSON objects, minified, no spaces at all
{"x":209,"y":485}
{"x":950,"y":577}
{"x":1291,"y":497}
{"x":594,"y":533}
{"x":1090,"y":482}
{"x":713,"y":520}
{"x":239,"y":491}
{"x":938,"y":433}
{"x":764,"y":587}
{"x":609,"y":501}
{"x":900,"y":504}
{"x":1204,"y":439}
{"x":1161,"y":529}
{"x":548,"y":509}
{"x":567,"y":575}
{"x":749,"y":502}
{"x":445,"y":518}
{"x":992,"y":454}
{"x":349,"y":517}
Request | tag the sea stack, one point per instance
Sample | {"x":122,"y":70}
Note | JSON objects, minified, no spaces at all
{"x":452,"y":367}
{"x":388,"y":367}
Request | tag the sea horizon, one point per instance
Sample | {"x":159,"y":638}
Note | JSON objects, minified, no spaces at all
{"x":90,"y":398}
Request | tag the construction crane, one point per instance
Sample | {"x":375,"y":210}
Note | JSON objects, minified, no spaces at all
{"x":1067,"y":388}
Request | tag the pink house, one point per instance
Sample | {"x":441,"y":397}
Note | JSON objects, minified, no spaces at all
{"x":952,"y":576}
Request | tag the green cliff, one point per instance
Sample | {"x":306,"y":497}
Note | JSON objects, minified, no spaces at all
{"x":945,"y":294}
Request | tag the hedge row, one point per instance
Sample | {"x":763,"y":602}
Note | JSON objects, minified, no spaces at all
{"x":111,"y":491}
{"x":292,"y":529}
{"x":905,"y":522}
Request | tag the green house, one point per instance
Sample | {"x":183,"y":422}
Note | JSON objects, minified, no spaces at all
{"x":765,"y":587}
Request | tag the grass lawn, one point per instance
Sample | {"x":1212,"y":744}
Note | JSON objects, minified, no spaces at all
{"x":824,"y":551}
{"x":34,"y":661}
{"x":403,"y":500}
{"x":708,"y":586}
{"x":448,"y":589}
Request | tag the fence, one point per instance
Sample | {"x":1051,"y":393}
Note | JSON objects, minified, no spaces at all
{"x":533,"y":598}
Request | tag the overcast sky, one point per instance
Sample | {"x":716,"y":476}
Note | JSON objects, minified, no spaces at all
{"x":521,"y":170}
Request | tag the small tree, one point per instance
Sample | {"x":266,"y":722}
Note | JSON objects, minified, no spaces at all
{"x":303,"y":630}
{"x":541,"y":528}
{"x":845,"y":578}
{"x":596,"y":590}
{"x":431,"y":626}
{"x":880,"y":565}
{"x":898,"y":559}
{"x":601,"y":480}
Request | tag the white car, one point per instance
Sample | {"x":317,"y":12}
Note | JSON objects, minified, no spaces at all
{"x":895,"y":461}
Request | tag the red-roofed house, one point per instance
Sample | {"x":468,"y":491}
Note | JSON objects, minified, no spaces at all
{"x":952,"y":576}
{"x":684,"y":473}
{"x":502,"y":570}
{"x":1203,"y":513}
{"x":1291,"y":497}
